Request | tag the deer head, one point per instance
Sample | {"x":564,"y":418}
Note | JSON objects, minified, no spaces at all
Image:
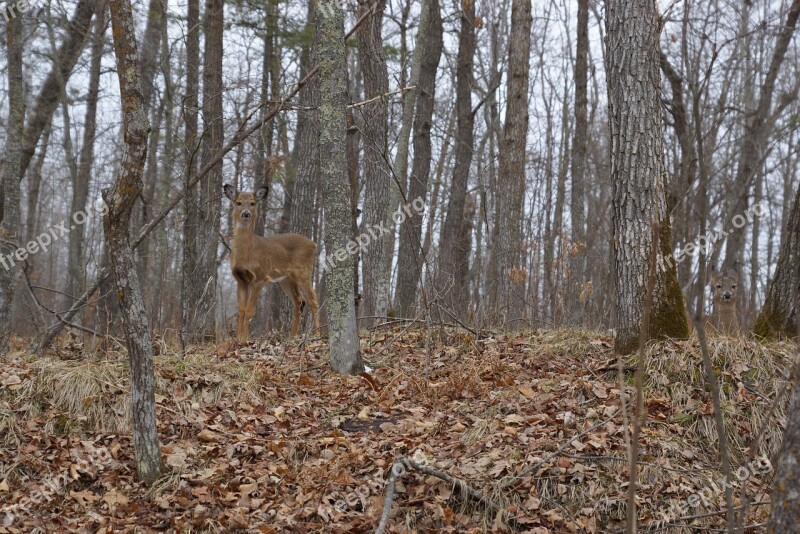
{"x":724,"y":286}
{"x":245,"y":204}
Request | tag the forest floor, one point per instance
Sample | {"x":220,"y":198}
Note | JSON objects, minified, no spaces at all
{"x":267,"y":439}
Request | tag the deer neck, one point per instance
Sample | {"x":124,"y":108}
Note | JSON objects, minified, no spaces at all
{"x":726,"y":314}
{"x":243,"y":242}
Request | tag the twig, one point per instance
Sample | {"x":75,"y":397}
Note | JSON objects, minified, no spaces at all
{"x":381,"y":97}
{"x":720,"y":424}
{"x":639,"y":416}
{"x":397,"y":469}
{"x":566,"y":444}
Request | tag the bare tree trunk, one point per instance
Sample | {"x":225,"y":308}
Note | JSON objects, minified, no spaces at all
{"x":638,"y":173}
{"x":63,"y":64}
{"x":778,"y":317}
{"x":579,"y":148}
{"x":9,"y":225}
{"x":411,"y":231}
{"x":80,"y":188}
{"x":752,"y":148}
{"x":342,"y":333}
{"x":190,"y":110}
{"x":507,"y":235}
{"x":785,"y":497}
{"x":120,"y":199}
{"x":205,"y":212}
{"x":451,"y":258}
{"x":35,"y":183}
{"x":377,"y":174}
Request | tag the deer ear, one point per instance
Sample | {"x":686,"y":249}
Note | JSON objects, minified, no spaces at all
{"x":229,"y":191}
{"x":261,"y":192}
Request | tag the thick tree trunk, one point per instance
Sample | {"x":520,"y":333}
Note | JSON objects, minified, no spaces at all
{"x":508,"y":264}
{"x":778,"y":317}
{"x":9,"y":225}
{"x":409,"y":274}
{"x":80,"y":188}
{"x":120,"y":199}
{"x":638,"y":173}
{"x":342,"y":335}
{"x":785,"y":506}
{"x":205,"y":213}
{"x":453,"y":258}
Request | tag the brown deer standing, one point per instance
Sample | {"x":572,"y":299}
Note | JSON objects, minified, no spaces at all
{"x":724,"y":289}
{"x":287,"y":259}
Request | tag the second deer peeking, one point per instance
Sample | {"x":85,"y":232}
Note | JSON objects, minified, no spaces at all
{"x":287,"y":259}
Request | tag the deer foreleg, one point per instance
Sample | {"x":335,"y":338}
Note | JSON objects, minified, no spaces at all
{"x":254,"y":290}
{"x":241,"y":296}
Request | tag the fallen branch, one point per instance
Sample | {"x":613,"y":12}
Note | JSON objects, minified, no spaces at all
{"x":403,"y":465}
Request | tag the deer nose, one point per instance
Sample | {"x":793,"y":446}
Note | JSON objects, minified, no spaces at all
{"x":245,"y":215}
{"x":727,"y":295}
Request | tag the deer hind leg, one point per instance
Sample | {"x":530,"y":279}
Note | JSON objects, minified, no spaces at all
{"x":311,"y":296}
{"x":291,"y":289}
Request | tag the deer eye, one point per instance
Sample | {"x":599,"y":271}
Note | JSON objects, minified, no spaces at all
{"x":733,"y":286}
{"x":238,"y":203}
{"x":719,"y":286}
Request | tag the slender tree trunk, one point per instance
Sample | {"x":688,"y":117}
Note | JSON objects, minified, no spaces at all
{"x":451,"y":257}
{"x":638,"y":173}
{"x":507,"y":236}
{"x":205,"y":212}
{"x":752,"y":148}
{"x":120,"y":199}
{"x":342,"y":333}
{"x":50,"y":93}
{"x":377,"y":174}
{"x":411,"y":231}
{"x":9,"y":225}
{"x":190,"y":110}
{"x":35,"y":183}
{"x":579,"y":149}
{"x":80,"y":188}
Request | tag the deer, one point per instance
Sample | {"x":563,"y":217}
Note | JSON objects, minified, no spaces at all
{"x":723,"y":287}
{"x":286,"y":259}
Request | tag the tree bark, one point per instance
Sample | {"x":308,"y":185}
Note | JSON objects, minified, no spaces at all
{"x":638,"y":173}
{"x":508,"y":264}
{"x":9,"y":225}
{"x":190,"y":110}
{"x":785,"y":497}
{"x":80,"y":188}
{"x":452,"y":258}
{"x":579,"y":145}
{"x":120,"y":199}
{"x":409,"y":274}
{"x":377,"y":174}
{"x":752,"y":148}
{"x":778,"y":317}
{"x":343,"y":340}
{"x":205,"y":212}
